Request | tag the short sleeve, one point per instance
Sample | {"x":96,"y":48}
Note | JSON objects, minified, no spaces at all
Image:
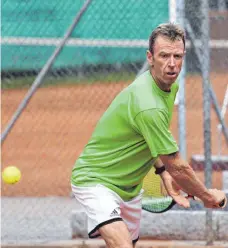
{"x":153,"y":125}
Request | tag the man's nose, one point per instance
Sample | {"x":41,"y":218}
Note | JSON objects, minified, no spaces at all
{"x":172,"y":62}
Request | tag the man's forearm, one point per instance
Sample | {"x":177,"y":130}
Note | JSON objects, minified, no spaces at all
{"x":184,"y":175}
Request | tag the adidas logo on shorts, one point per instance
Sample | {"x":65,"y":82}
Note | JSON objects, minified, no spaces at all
{"x":114,"y":213}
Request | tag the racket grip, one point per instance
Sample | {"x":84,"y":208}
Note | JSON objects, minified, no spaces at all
{"x":222,"y":204}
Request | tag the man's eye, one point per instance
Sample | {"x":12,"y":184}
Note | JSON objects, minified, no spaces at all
{"x":178,"y":56}
{"x":164,"y":55}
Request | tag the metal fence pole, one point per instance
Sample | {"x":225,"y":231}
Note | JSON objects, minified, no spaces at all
{"x":40,"y":77}
{"x":181,"y":94}
{"x":205,"y":32}
{"x":221,"y":5}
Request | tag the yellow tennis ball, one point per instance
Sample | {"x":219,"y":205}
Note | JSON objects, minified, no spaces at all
{"x":11,"y":175}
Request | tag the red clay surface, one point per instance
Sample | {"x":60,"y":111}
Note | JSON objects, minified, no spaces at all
{"x":58,"y":121}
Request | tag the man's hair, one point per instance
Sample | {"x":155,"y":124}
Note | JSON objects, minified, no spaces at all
{"x":169,"y":30}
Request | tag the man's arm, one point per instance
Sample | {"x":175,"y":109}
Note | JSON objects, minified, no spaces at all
{"x":153,"y":126}
{"x":170,"y":185}
{"x":184,"y":175}
{"x":158,"y":163}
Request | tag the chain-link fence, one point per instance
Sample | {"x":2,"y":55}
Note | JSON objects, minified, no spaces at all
{"x":78,"y":79}
{"x":218,"y":83}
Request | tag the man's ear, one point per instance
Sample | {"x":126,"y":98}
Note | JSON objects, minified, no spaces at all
{"x":150,"y":58}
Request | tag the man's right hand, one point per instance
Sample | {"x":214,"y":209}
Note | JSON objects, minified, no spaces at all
{"x":217,"y":197}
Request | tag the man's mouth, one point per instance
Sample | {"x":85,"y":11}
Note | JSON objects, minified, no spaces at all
{"x":171,"y":74}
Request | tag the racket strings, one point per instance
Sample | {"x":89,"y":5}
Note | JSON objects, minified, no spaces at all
{"x":155,"y":197}
{"x":152,"y":185}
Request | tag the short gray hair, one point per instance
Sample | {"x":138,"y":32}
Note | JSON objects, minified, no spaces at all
{"x":169,"y":30}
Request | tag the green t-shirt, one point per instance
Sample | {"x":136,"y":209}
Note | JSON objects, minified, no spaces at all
{"x":128,"y":138}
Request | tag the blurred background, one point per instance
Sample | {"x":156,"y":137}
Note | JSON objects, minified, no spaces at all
{"x":62,"y":64}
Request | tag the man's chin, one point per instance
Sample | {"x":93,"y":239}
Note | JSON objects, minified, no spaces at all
{"x":170,"y":82}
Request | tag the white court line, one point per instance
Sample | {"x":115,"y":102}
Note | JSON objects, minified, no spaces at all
{"x":33,"y":41}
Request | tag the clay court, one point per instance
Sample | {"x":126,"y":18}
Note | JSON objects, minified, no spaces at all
{"x":57,"y":123}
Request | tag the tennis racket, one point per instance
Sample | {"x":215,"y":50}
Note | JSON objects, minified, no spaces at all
{"x":163,"y":204}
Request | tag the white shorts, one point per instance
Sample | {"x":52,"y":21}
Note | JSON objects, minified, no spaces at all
{"x":104,"y":206}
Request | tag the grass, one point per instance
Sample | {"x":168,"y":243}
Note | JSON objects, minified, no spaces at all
{"x":92,"y":78}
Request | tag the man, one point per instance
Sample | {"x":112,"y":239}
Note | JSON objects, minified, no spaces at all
{"x":132,"y":136}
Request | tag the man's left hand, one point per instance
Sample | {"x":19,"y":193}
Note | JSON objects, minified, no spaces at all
{"x":173,"y":189}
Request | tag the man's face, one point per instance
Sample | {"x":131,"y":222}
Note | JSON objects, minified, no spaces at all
{"x":166,"y":61}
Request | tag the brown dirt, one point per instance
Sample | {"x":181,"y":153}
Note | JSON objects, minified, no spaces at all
{"x":57,"y":123}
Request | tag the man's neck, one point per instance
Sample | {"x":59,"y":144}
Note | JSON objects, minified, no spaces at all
{"x":160,"y":84}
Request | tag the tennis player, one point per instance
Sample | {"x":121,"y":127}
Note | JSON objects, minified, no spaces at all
{"x":132,"y":136}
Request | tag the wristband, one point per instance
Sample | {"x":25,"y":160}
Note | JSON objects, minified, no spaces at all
{"x":159,"y":171}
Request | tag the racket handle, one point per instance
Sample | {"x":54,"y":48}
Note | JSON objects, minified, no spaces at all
{"x":222,"y":204}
